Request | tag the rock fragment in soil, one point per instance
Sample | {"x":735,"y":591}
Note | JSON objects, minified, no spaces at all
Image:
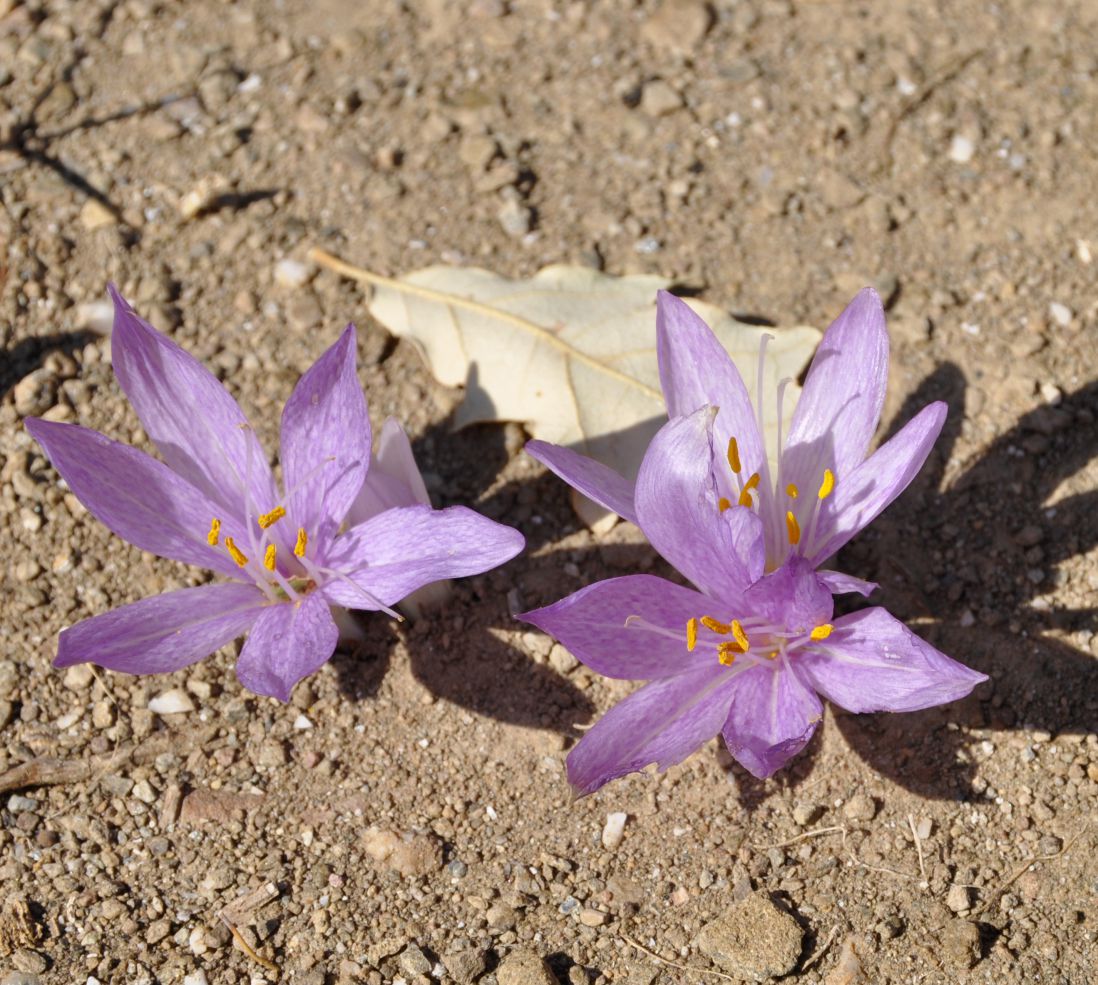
{"x":466,"y":965}
{"x":960,"y":944}
{"x":754,"y":939}
{"x":614,"y":829}
{"x":522,"y":967}
{"x":680,"y":25}
{"x":860,"y":807}
{"x":659,"y":98}
{"x":412,"y":855}
{"x":413,"y":961}
{"x":35,"y":393}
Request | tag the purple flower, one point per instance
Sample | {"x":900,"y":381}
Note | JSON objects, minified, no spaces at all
{"x":817,"y":489}
{"x":215,"y":503}
{"x":745,"y":654}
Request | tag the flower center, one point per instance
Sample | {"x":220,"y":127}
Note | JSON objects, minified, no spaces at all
{"x":276,"y":584}
{"x":765,"y":642}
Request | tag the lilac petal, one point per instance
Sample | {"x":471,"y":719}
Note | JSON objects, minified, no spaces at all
{"x":596,"y":481}
{"x":394,"y":478}
{"x":873,"y":662}
{"x":140,"y":499}
{"x":839,"y":408}
{"x":595,"y":624}
{"x":841,"y":584}
{"x":198,"y":428}
{"x":696,"y":371}
{"x":325,"y":442}
{"x":381,"y":561}
{"x":662,"y":723}
{"x":289,"y":641}
{"x":721,"y":553}
{"x":792,"y":597}
{"x":772,"y":718}
{"x":872,"y":486}
{"x":163,"y":633}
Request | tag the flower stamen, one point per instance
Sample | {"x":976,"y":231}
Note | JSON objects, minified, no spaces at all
{"x":827,"y":485}
{"x":724,"y":504}
{"x":727,"y":651}
{"x":821,"y":632}
{"x":741,"y":636}
{"x":691,"y":635}
{"x":734,"y":456}
{"x":236,"y":553}
{"x":302,"y":542}
{"x":269,"y":557}
{"x":266,"y":520}
{"x":720,"y":628}
{"x":792,"y":491}
{"x":793,"y":528}
{"x":745,"y":493}
{"x":215,"y":532}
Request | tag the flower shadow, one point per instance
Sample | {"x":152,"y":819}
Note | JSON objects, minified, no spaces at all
{"x":29,"y":354}
{"x":977,"y":587}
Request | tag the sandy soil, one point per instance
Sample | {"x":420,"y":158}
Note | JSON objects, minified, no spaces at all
{"x":409,"y":809}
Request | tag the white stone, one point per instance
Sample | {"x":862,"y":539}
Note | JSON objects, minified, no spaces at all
{"x":961,"y":149}
{"x":171,"y":702}
{"x":1060,"y":313}
{"x":301,"y":723}
{"x":614,"y":829}
{"x":291,"y":273}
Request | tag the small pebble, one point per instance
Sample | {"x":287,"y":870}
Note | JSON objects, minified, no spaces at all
{"x":291,"y":273}
{"x":614,"y":829}
{"x":961,"y":149}
{"x":173,"y":702}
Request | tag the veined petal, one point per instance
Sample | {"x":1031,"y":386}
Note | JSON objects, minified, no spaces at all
{"x":140,"y":499}
{"x":863,"y":495}
{"x":596,"y":481}
{"x":394,"y":478}
{"x":288,"y":642}
{"x":721,"y":553}
{"x":873,"y":662}
{"x":198,"y":428}
{"x":840,"y":405}
{"x":390,"y":556}
{"x":325,"y":441}
{"x":662,"y":723}
{"x":696,"y":371}
{"x":792,"y":597}
{"x":772,"y":718}
{"x":842,"y":584}
{"x":632,"y":627}
{"x":164,"y":632}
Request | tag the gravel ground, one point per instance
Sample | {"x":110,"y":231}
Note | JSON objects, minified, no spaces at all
{"x":406,"y":817}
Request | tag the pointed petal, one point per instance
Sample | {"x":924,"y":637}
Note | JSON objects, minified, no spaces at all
{"x":163,"y":633}
{"x":721,"y":553}
{"x":696,"y":371}
{"x":595,"y":480}
{"x":792,"y":597}
{"x":662,"y":723}
{"x":140,"y":499}
{"x":873,"y":662}
{"x":288,"y":642}
{"x":869,"y":489}
{"x":840,"y":584}
{"x":595,"y":625}
{"x":325,"y":442}
{"x":381,"y":561}
{"x":839,"y":408}
{"x":393,"y":480}
{"x":773,"y":716}
{"x":198,"y":428}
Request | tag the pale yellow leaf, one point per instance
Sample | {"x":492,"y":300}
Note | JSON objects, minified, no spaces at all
{"x":570,"y":352}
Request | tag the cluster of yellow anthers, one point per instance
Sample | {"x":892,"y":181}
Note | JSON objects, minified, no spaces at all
{"x":728,"y":649}
{"x":270,"y":554}
{"x":792,"y":525}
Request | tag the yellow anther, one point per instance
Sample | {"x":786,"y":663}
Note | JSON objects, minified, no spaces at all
{"x":792,"y":490}
{"x":745,"y":494}
{"x":691,"y":635}
{"x":724,"y":504}
{"x":715,"y":627}
{"x":302,"y":542}
{"x":741,"y":636}
{"x":215,"y":532}
{"x":734,"y":456}
{"x":270,"y":519}
{"x":772,"y":655}
{"x":269,"y":557}
{"x":822,"y":632}
{"x":726,"y":653}
{"x":794,"y":528}
{"x":236,"y":553}
{"x":827,"y":485}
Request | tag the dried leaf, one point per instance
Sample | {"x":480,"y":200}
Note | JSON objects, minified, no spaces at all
{"x":570,"y":353}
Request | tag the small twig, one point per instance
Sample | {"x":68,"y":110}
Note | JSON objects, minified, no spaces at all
{"x":248,"y":949}
{"x":821,"y":950}
{"x":873,"y":868}
{"x":675,"y":964}
{"x":918,"y":846}
{"x":816,"y":833}
{"x":1029,"y":863}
